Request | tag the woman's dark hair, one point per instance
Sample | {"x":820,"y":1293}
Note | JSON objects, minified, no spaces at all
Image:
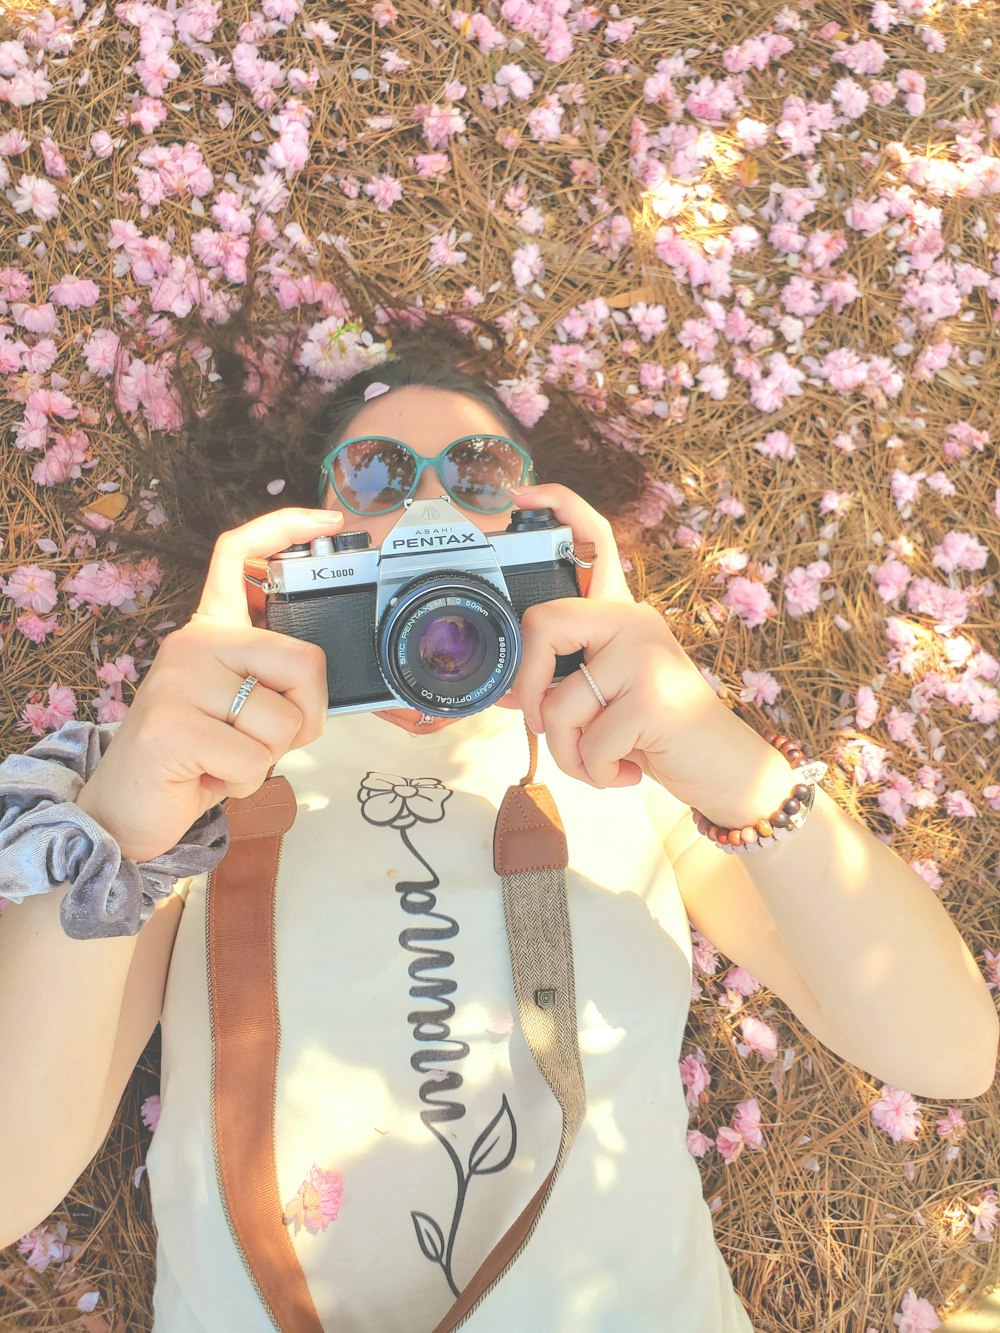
{"x":333,"y":420}
{"x":215,"y":471}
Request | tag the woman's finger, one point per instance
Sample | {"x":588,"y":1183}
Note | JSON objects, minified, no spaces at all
{"x":224,"y":594}
{"x":607,"y":579}
{"x":572,"y":712}
{"x":266,"y":715}
{"x":289,"y":666}
{"x":602,"y":749}
{"x":550,"y":629}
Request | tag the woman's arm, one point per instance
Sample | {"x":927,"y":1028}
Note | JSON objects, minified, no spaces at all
{"x":874,"y":943}
{"x":60,"y":1001}
{"x":869,"y":938}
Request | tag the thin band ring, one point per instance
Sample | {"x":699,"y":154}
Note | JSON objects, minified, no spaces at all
{"x":242,"y":695}
{"x":593,"y":685}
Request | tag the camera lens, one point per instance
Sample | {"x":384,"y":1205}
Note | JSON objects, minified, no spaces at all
{"x":449,"y":645}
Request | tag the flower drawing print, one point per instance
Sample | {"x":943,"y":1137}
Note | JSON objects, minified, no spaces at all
{"x":402,"y":804}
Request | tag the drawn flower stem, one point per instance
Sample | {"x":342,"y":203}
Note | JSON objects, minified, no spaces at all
{"x":456,"y":1217}
{"x":384,"y":802}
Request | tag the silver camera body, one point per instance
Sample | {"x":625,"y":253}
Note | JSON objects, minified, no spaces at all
{"x":429,"y":620}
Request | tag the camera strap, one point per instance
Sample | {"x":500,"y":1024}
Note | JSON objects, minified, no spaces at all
{"x":530,"y":856}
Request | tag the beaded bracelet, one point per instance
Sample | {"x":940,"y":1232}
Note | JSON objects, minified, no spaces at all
{"x":789,"y":816}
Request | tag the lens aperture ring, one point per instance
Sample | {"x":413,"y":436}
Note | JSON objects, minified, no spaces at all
{"x":449,"y":644}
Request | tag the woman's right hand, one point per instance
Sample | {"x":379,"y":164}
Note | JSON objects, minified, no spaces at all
{"x":175,"y":755}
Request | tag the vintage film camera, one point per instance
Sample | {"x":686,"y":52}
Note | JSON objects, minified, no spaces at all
{"x":431,"y":620}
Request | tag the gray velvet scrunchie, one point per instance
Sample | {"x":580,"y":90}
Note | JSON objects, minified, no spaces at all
{"x":47,"y":840}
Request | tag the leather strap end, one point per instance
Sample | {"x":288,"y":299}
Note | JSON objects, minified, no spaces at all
{"x":528,"y":834}
{"x":256,"y":601}
{"x":268,"y":813}
{"x":585,"y":551}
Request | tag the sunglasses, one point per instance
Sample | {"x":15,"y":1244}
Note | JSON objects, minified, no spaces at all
{"x":375,"y":474}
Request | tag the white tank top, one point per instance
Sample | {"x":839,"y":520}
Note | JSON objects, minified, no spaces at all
{"x":412,"y":1125}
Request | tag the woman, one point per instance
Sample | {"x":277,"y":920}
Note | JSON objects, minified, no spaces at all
{"x":400,"y":1045}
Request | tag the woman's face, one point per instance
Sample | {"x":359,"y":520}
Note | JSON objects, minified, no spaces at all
{"x":427,"y":419}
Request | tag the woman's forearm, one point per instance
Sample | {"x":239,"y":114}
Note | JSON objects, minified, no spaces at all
{"x":60,"y":1002}
{"x":873,"y":941}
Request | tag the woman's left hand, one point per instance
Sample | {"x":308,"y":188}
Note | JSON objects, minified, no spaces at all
{"x":662,"y":716}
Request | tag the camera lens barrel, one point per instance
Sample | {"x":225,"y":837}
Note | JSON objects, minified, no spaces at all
{"x":449,"y":644}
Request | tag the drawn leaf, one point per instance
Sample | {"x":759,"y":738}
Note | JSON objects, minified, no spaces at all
{"x":494,"y":1148}
{"x":429,"y":1237}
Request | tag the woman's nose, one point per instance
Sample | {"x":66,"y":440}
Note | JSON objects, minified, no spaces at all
{"x":430,"y":486}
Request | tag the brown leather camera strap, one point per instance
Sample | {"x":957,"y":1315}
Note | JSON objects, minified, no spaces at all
{"x":245,"y":1035}
{"x":530,"y":857}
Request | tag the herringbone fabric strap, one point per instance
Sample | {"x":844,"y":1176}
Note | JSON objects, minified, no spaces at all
{"x":541,"y":951}
{"x":530,"y":854}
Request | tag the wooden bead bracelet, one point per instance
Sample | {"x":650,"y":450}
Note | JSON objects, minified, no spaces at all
{"x":786,"y":819}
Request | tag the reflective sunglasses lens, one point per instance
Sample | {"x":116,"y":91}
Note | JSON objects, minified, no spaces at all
{"x":480,"y":471}
{"x":374,"y":476}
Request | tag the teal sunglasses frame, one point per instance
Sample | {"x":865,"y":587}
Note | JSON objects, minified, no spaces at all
{"x":326,"y":470}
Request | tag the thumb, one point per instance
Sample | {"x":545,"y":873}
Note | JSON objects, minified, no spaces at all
{"x":224,"y":596}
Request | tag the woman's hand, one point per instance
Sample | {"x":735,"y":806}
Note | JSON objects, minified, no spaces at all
{"x":662,"y":716}
{"x":175,"y":755}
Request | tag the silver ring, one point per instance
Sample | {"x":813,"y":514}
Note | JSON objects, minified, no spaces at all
{"x":242,"y":695}
{"x":593,"y":685}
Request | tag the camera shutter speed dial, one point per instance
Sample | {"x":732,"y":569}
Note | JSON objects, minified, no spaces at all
{"x":352,"y":541}
{"x":530,"y":520}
